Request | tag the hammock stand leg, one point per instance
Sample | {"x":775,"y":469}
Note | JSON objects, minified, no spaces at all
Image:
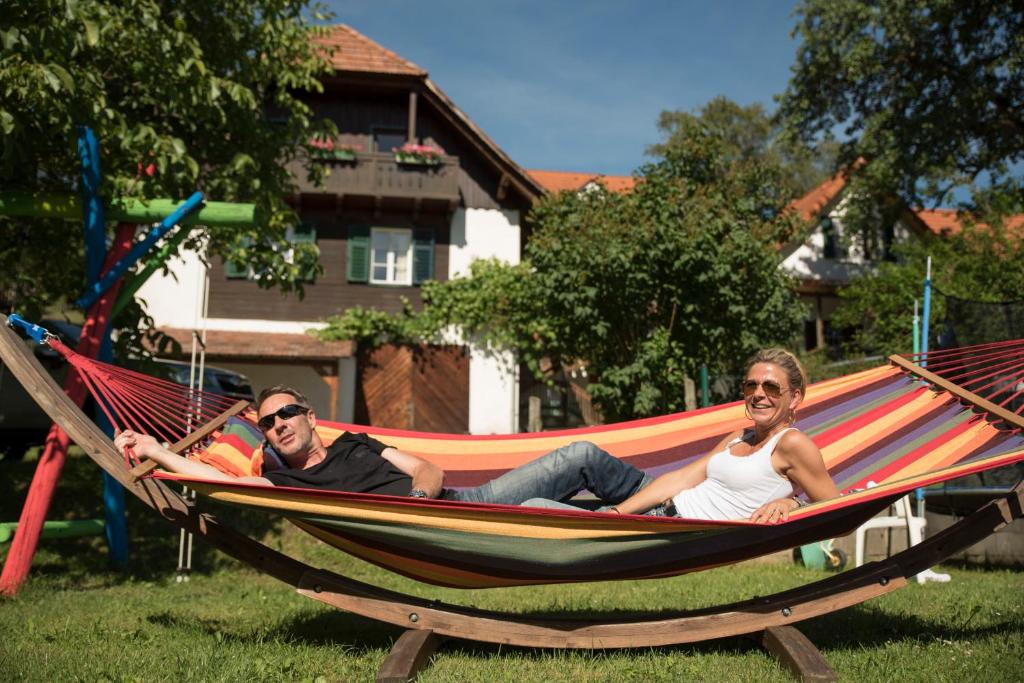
{"x":750,"y":616}
{"x":798,"y":654}
{"x":409,"y":655}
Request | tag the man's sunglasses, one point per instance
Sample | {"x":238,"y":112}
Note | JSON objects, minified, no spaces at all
{"x":266,"y":423}
{"x":771,"y":389}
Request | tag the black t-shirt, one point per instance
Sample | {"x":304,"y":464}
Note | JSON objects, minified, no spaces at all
{"x":353,"y":464}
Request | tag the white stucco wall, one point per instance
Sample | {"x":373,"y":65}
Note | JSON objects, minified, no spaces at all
{"x":493,"y":381}
{"x":176,"y":300}
{"x":483,"y":233}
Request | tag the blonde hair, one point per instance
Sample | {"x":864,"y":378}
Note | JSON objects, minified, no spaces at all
{"x":794,"y":369}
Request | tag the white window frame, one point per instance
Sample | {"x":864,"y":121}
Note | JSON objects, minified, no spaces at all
{"x":391,"y":259}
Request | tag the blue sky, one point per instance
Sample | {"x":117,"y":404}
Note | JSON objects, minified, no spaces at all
{"x":577,"y":86}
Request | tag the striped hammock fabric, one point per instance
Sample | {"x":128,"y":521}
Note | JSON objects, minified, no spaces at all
{"x":881,"y":432}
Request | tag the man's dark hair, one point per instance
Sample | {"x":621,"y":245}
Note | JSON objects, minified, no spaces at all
{"x":282,"y":389}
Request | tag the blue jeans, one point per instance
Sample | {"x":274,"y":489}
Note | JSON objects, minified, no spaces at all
{"x":558,"y":476}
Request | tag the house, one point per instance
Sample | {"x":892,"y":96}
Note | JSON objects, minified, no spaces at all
{"x":384,"y":222}
{"x":828,"y":259}
{"x":824,"y":260}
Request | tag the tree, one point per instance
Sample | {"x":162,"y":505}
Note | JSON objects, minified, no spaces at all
{"x":643,"y":287}
{"x":181,"y":95}
{"x":929,"y":92}
{"x":982,"y":263}
{"x":751,"y":134}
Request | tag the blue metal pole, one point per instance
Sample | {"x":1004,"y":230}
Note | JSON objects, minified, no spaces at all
{"x":116,"y":527}
{"x":92,"y":207}
{"x":95,"y":290}
{"x":919,"y":492}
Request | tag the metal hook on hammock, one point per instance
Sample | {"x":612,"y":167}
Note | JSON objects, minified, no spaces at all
{"x":38,"y":333}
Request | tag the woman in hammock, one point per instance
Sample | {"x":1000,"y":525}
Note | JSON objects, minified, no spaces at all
{"x":752,"y":472}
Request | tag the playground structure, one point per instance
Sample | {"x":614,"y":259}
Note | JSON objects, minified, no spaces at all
{"x":427,"y":621}
{"x":105,"y":296}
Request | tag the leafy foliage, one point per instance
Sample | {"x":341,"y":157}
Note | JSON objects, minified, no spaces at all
{"x":181,"y":95}
{"x":929,"y":92}
{"x":751,"y":134}
{"x":643,"y":287}
{"x":981,"y":263}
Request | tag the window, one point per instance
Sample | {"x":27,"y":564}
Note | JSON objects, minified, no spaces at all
{"x":387,"y":139}
{"x":828,"y":229}
{"x":300,"y":234}
{"x":390,"y":256}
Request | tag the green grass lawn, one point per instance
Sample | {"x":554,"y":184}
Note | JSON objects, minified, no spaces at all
{"x":75,"y":619}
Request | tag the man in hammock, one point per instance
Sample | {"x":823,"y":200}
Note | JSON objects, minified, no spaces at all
{"x":358,"y":463}
{"x":750,"y":474}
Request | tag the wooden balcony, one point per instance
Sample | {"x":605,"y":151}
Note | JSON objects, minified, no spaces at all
{"x":379,"y":176}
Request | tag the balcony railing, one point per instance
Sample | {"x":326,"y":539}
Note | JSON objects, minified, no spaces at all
{"x":380,"y":175}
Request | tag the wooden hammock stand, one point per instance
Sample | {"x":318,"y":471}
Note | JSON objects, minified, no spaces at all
{"x":427,"y":621}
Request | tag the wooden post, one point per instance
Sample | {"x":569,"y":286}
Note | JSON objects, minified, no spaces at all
{"x":533,"y":422}
{"x":412,"y":117}
{"x":689,"y":394}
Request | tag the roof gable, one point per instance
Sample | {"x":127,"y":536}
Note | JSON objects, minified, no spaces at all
{"x":353,"y":53}
{"x":350,"y":50}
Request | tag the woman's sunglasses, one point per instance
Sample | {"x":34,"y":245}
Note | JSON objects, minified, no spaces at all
{"x":771,"y":389}
{"x":287,"y":412}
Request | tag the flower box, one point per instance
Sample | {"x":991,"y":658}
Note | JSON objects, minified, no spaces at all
{"x":335,"y":154}
{"x":328,"y":150}
{"x":417,"y":155}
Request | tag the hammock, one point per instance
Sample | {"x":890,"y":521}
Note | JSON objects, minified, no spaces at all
{"x":426,"y":620}
{"x":882,"y":432}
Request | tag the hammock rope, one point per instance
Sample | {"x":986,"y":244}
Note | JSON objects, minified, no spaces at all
{"x":128,"y":399}
{"x":1000,"y":363}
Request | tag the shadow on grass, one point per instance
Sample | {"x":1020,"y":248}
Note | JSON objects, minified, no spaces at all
{"x":868,"y":626}
{"x":153,"y":542}
{"x":850,"y":629}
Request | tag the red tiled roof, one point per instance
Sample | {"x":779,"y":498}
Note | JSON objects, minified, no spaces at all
{"x":811,"y":204}
{"x":947,"y":221}
{"x":558,"y":181}
{"x":352,"y":51}
{"x":264,"y":345}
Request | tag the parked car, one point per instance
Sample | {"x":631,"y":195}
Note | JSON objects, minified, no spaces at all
{"x":23,"y":423}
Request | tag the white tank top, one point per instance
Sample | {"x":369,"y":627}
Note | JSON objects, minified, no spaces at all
{"x":736,"y":485}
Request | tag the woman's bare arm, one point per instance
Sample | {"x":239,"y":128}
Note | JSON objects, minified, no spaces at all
{"x":803,"y":465}
{"x":669,"y":484}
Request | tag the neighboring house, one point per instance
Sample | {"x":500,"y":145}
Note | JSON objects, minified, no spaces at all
{"x":560,"y":181}
{"x":384,"y":223}
{"x":826,"y":259}
{"x":829,"y":259}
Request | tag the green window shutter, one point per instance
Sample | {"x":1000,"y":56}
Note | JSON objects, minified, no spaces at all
{"x":422,"y":256}
{"x":236,"y":271}
{"x":305,"y":233}
{"x":358,"y":255}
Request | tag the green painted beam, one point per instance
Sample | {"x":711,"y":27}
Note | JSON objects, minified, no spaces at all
{"x":57,"y":529}
{"x":69,"y":207}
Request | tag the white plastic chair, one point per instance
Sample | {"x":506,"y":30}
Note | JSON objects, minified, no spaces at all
{"x":903,"y":518}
